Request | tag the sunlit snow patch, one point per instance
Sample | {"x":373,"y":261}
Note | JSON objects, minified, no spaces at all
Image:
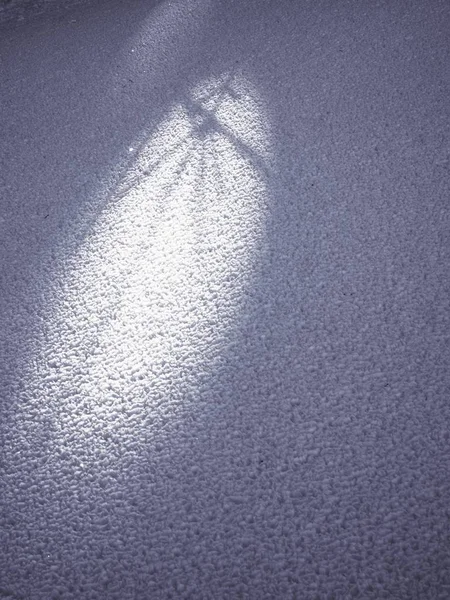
{"x":153,"y":296}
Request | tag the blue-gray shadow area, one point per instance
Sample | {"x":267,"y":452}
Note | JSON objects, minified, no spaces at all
{"x":330,"y":414}
{"x":312,"y":461}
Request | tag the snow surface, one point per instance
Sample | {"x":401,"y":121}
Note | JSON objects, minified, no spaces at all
{"x":224,"y":301}
{"x":16,"y":11}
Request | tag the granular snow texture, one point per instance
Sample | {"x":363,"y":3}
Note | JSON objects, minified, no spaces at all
{"x":16,"y":11}
{"x":224,"y":301}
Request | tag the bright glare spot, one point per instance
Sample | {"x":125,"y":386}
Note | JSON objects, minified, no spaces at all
{"x":153,"y":297}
